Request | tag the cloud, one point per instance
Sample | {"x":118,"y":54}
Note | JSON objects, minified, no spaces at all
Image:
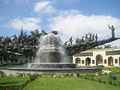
{"x":41,"y":5}
{"x":26,"y":23}
{"x":44,"y":7}
{"x":73,"y":23}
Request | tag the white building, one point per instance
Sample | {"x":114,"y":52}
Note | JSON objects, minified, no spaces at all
{"x":98,"y":57}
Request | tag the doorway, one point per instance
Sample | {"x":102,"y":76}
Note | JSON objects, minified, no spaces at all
{"x":99,"y":59}
{"x":88,"y":61}
{"x":110,"y":61}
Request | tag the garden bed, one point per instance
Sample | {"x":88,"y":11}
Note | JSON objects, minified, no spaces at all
{"x":12,"y":83}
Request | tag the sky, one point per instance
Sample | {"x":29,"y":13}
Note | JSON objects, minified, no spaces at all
{"x":69,"y":17}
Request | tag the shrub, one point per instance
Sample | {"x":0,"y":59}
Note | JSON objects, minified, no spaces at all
{"x":100,"y":73}
{"x":66,"y":75}
{"x":110,"y":82}
{"x":99,"y":80}
{"x":32,"y":77}
{"x":70,"y":74}
{"x":52,"y":74}
{"x":119,"y":83}
{"x":101,"y":66}
{"x":92,"y":78}
{"x":1,"y":65}
{"x":85,"y":77}
{"x":112,"y":77}
{"x":28,"y":74}
{"x":105,"y":73}
{"x":114,"y":84}
{"x":47,"y":73}
{"x":2,"y":74}
{"x":20,"y":74}
{"x":81,"y":76}
{"x":77,"y":74}
{"x":58,"y":76}
{"x":37,"y":74}
{"x":104,"y":81}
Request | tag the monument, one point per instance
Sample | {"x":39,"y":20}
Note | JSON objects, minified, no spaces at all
{"x":51,"y":54}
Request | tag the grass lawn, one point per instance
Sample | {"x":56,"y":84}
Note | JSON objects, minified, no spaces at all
{"x":67,"y":84}
{"x":10,"y":81}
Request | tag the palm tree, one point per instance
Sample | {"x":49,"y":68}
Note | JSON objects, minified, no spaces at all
{"x":6,"y":40}
{"x":1,"y":38}
{"x":12,"y":57}
{"x":54,"y":32}
{"x":34,"y":37}
{"x":3,"y":55}
{"x":43,"y":32}
{"x":22,"y":38}
{"x":14,"y":41}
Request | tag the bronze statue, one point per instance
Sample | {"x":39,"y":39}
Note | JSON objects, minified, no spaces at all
{"x":96,"y":37}
{"x":112,"y":29}
{"x":82,"y":39}
{"x":70,"y":40}
{"x":77,"y":40}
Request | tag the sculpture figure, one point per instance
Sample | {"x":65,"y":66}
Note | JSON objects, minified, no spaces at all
{"x":90,"y":38}
{"x":82,"y":39}
{"x":77,"y":40}
{"x":96,"y":37}
{"x":65,"y":44}
{"x":112,"y":29}
{"x":86,"y":37}
{"x":70,"y":40}
{"x":93,"y":37}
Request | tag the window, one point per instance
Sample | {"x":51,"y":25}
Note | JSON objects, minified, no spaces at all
{"x":105,"y":61}
{"x":77,"y":60}
{"x":116,"y":61}
{"x":82,"y":61}
{"x":93,"y":61}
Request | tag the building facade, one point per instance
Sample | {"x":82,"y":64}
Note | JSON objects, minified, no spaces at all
{"x":98,"y":57}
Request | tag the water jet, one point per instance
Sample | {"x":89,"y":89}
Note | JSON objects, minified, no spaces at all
{"x":51,"y":54}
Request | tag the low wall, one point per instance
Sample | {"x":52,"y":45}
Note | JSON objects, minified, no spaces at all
{"x":56,"y":70}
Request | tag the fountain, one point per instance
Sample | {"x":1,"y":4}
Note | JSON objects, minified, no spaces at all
{"x":51,"y":54}
{"x":51,"y":57}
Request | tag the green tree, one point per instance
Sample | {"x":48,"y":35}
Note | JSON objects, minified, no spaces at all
{"x":3,"y":55}
{"x":14,"y":41}
{"x":43,"y":32}
{"x":1,"y":38}
{"x":55,"y":32}
{"x":6,"y":40}
{"x":107,"y":46}
{"x":22,"y":38}
{"x":34,"y":37}
{"x":36,"y":33}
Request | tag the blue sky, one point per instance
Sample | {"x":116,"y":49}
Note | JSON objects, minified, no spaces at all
{"x":69,"y":17}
